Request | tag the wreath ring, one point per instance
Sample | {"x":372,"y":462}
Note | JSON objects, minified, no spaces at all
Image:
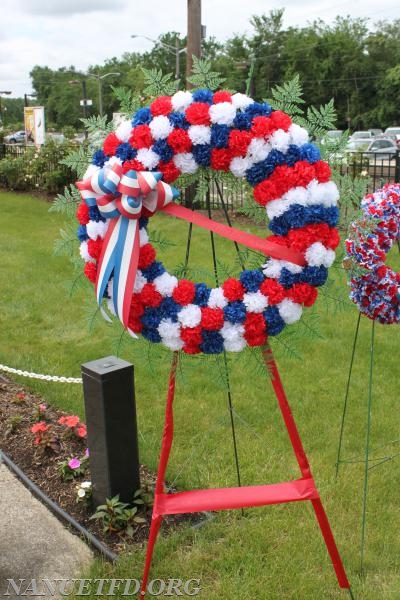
{"x":376,"y":292}
{"x":129,"y":180}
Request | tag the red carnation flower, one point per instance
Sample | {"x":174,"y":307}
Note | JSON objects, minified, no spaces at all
{"x":304,"y":172}
{"x":133,"y":164}
{"x":265,"y":191}
{"x":90,"y":271}
{"x":222,"y":96}
{"x":191,"y":335}
{"x":233,"y":289}
{"x":161,"y":106}
{"x":141,"y":137}
{"x":137,"y":308}
{"x":262,"y":126}
{"x":239,"y":142}
{"x":280,"y":120}
{"x":147,"y":255}
{"x":179,"y":141}
{"x":135,"y":325}
{"x":322,"y":171}
{"x":184,"y":292}
{"x":274,"y":291}
{"x":212,"y":318}
{"x":221,"y":159}
{"x":111,"y":143}
{"x":191,"y":349}
{"x":255,"y":329}
{"x":94,"y":247}
{"x":303,"y":293}
{"x":169,"y":170}
{"x":82,"y":213}
{"x":198,"y":113}
{"x":149,"y":296}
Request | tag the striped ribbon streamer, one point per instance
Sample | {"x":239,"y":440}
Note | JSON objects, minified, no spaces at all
{"x":123,"y":198}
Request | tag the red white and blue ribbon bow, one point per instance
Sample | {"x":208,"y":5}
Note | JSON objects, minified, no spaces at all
{"x":123,"y":198}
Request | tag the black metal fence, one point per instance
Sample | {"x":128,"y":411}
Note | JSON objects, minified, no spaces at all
{"x":378,"y":168}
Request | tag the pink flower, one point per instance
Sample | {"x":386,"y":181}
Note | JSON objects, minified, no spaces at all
{"x":42,"y":408}
{"x":69,"y":421}
{"x":87,"y":453}
{"x":81,"y":430}
{"x":74,"y":463}
{"x":39,"y":427}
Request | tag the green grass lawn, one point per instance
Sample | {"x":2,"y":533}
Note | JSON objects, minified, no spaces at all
{"x":275,"y":552}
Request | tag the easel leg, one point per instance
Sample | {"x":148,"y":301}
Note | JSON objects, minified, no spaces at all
{"x":347,"y":396}
{"x":367,"y":449}
{"x":162,"y":467}
{"x":304,"y":466}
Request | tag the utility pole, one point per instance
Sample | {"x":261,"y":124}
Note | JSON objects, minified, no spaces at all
{"x":194,"y":30}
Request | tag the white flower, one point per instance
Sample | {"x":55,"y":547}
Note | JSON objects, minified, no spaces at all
{"x":222,"y":113}
{"x":140,"y":282}
{"x":168,"y":329}
{"x":185,"y":162}
{"x":280,"y":140}
{"x":149,"y":158}
{"x":258,"y":149}
{"x":160,"y":127}
{"x":290,"y":311}
{"x":124,"y":130}
{"x":83,"y":251}
{"x":200,"y":134}
{"x":255,"y":302}
{"x":181,"y":100}
{"x":96,"y":229}
{"x":317,"y":255}
{"x":86,"y":485}
{"x":217,"y":298}
{"x":239,"y":165}
{"x":81,"y":493}
{"x":241,"y":101}
{"x":143,"y":236}
{"x":190,"y":315}
{"x":165,"y":284}
{"x":298,"y":134}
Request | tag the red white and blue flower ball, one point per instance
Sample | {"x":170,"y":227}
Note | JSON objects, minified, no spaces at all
{"x":376,"y":291}
{"x":129,"y":179}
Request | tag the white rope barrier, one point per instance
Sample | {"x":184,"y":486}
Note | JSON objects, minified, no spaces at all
{"x":40,"y":376}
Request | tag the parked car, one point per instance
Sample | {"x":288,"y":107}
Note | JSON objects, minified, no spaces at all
{"x":375,"y":131}
{"x":357,"y":145}
{"x":384,"y":148}
{"x":58,"y":138}
{"x":361,"y":135}
{"x":393,"y":132}
{"x":17,"y":137}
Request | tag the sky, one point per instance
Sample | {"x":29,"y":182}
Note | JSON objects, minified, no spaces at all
{"x":57,"y":33}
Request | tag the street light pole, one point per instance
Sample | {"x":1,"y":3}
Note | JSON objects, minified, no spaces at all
{"x":5,"y":93}
{"x":173,"y":49}
{"x":100,"y":86}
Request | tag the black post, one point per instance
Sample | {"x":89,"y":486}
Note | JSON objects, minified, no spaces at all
{"x":397,"y":167}
{"x":110,"y":409}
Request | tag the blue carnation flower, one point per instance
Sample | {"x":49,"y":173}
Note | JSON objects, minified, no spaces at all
{"x":82,"y":233}
{"x":275,"y":158}
{"x":178,"y":120}
{"x":163,"y":149}
{"x":202,"y":294}
{"x":125,"y":152}
{"x":170,"y":309}
{"x":142,"y":116}
{"x":220,"y":136}
{"x":154,"y":270}
{"x":315,"y":276}
{"x":299,"y":216}
{"x":242,"y":121}
{"x":151,"y":318}
{"x":257,"y":173}
{"x":94,"y":214}
{"x":258,"y":109}
{"x":213,"y":342}
{"x":310,"y":152}
{"x":143,"y":222}
{"x":235,"y":312}
{"x":274,"y":321}
{"x":99,"y":158}
{"x":293,"y":155}
{"x":251,"y":279}
{"x":287,"y":278}
{"x":202,"y":154}
{"x":203,"y":96}
{"x":151,"y":334}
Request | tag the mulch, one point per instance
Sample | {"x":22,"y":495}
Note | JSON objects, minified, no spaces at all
{"x":18,"y":412}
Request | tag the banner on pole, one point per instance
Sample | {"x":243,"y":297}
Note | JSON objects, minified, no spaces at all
{"x":34,"y":124}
